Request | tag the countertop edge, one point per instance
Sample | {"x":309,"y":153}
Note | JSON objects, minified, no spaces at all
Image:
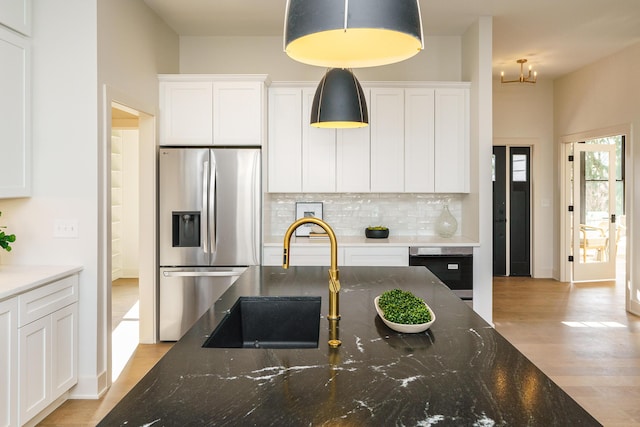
{"x":18,"y":279}
{"x":392,"y":241}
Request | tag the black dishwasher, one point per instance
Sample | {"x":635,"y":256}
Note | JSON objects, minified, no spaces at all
{"x":452,"y":265}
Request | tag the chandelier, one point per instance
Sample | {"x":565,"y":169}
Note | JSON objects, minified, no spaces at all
{"x":530,"y":77}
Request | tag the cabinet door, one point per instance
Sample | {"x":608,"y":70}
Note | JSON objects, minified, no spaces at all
{"x":8,"y":363}
{"x":318,"y":152}
{"x":16,"y":14}
{"x":186,"y":113}
{"x":376,"y":256}
{"x":353,"y":158}
{"x":311,"y":255}
{"x":419,"y":141}
{"x":284,"y":147}
{"x":387,"y":140}
{"x":35,"y":367}
{"x":64,"y":350}
{"x":15,"y":113}
{"x":238,"y":113}
{"x":451,"y":141}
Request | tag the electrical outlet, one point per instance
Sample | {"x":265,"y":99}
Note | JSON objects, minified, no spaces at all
{"x":65,"y":228}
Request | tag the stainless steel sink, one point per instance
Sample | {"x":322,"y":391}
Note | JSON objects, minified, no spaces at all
{"x":269,"y":322}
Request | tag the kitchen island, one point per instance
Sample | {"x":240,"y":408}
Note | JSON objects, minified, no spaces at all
{"x":460,"y":372}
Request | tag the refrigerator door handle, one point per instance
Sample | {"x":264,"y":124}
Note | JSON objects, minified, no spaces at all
{"x":205,"y":202}
{"x":213,"y":206}
{"x":201,"y":273}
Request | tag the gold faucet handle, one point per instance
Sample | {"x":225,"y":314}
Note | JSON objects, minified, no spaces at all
{"x":334,"y":281}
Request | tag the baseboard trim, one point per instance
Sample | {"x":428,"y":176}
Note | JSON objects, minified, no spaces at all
{"x":90,"y":387}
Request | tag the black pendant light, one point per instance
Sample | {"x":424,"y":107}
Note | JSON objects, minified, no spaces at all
{"x":352,"y":33}
{"x":339,"y":101}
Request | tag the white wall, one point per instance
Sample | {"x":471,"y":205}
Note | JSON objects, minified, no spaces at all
{"x":523,"y":116}
{"x":476,"y":208}
{"x":440,"y":61}
{"x":69,"y":144}
{"x":134,"y":45}
{"x":65,"y":158}
{"x":599,"y":96}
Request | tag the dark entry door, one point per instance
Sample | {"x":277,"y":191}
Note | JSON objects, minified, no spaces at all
{"x":499,"y":211}
{"x":511,"y":211}
{"x":520,"y":212}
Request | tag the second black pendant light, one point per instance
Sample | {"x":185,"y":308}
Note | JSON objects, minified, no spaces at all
{"x":339,"y":101}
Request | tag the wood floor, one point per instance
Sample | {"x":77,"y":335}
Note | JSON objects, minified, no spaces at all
{"x":596,"y":360}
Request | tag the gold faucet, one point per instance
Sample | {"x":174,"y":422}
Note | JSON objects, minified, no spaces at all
{"x":334,"y":280}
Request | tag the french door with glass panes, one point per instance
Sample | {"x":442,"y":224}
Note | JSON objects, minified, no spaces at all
{"x":593,"y":211}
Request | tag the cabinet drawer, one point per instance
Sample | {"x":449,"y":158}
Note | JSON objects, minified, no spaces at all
{"x":45,"y":300}
{"x":301,"y":255}
{"x":376,"y":256}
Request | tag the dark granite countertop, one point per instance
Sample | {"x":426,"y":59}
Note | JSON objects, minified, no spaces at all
{"x":460,"y":372}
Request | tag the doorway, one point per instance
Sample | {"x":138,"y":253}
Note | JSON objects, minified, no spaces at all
{"x":116,"y":103}
{"x":125,"y":271}
{"x":511,"y":211}
{"x":596,"y":213}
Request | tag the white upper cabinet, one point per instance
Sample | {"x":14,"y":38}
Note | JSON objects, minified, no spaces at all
{"x":306,"y":159}
{"x":284,"y":150}
{"x":452,"y":149}
{"x":212,"y":110}
{"x":318,"y":152}
{"x":238,"y":113}
{"x":419,"y":140}
{"x":386,"y":119}
{"x":15,"y":115}
{"x":436,"y":140}
{"x":16,"y":14}
{"x":186,"y":113}
{"x":353,"y":161}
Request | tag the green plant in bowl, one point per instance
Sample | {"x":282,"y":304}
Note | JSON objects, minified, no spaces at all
{"x":376,"y":232}
{"x":404,"y":312}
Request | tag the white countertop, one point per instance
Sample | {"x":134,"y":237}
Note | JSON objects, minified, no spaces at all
{"x":363,"y":241}
{"x":17,"y":279}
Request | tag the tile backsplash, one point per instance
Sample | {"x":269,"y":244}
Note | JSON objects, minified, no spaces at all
{"x":349,"y":213}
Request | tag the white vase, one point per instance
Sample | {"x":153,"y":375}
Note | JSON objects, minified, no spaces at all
{"x":446,"y":225}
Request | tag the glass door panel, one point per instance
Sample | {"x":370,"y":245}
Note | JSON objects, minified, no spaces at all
{"x":594,"y":196}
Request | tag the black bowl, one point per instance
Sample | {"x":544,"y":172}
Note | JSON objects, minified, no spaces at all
{"x":376,"y":234}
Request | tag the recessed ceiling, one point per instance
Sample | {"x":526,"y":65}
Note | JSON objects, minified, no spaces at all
{"x":557,"y":36}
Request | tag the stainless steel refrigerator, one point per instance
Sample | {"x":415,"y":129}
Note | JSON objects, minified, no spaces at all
{"x":209,"y":228}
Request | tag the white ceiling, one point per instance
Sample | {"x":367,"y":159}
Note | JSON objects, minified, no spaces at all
{"x":556,"y":36}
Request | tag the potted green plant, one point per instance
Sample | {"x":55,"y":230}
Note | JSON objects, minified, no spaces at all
{"x":6,"y":239}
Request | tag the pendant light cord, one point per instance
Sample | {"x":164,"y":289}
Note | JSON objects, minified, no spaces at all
{"x":346,"y":13}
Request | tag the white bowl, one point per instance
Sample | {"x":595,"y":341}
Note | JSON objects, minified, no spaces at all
{"x":406,"y":328}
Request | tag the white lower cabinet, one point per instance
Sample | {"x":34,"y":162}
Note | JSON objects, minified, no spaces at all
{"x":347,"y":256}
{"x":48,"y":345}
{"x":35,"y":367}
{"x":379,"y":256}
{"x":9,"y":362}
{"x":300,"y":255}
